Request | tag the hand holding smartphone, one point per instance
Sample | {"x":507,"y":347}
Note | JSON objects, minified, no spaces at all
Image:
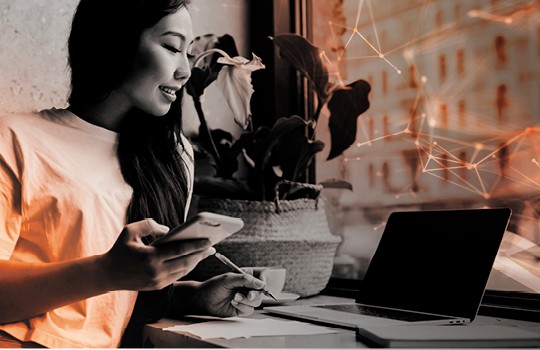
{"x":213,"y":226}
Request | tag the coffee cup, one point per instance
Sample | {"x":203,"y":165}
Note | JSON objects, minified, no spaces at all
{"x":274,"y":277}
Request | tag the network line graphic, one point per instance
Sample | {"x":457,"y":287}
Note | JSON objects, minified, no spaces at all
{"x":485,"y":159}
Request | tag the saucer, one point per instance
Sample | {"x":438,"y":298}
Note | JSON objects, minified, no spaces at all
{"x":282,"y":298}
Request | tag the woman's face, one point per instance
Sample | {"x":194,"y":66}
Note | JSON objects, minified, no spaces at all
{"x":161,"y":66}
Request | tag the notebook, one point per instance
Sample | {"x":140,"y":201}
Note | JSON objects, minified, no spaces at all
{"x":430,"y":267}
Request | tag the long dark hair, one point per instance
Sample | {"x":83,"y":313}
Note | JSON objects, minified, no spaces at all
{"x":104,"y":39}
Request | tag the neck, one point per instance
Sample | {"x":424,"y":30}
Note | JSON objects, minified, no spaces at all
{"x":108,"y":114}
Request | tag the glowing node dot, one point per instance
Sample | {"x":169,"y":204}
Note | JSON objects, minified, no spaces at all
{"x":423,"y":79}
{"x":508,"y":20}
{"x":355,"y":30}
{"x":486,"y":195}
{"x":478,"y":146}
{"x":381,"y":55}
{"x":469,"y":166}
{"x":435,"y":143}
{"x":398,"y":72}
{"x":417,"y":143}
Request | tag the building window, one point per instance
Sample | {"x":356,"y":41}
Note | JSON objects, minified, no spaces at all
{"x":462,"y":113}
{"x":503,"y":158}
{"x":413,"y":83}
{"x":457,"y":13}
{"x":500,"y":50}
{"x":384,"y":79}
{"x":371,"y":129}
{"x":371,"y":175}
{"x":444,"y":166}
{"x":444,"y":116}
{"x":463,"y":165}
{"x":386,"y":127}
{"x":460,"y":61}
{"x":439,"y":19}
{"x":442,"y":67}
{"x":502,"y":103}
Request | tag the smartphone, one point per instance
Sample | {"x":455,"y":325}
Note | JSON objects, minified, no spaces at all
{"x":215,"y":227}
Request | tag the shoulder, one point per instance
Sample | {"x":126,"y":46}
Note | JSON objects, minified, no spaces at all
{"x":16,"y":119}
{"x":26,"y":121}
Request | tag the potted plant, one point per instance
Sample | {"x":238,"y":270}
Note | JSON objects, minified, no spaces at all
{"x":258,"y":173}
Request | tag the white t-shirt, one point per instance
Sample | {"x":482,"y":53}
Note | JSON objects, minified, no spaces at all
{"x":62,"y":196}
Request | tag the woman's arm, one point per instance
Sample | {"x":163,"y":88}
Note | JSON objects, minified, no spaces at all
{"x":28,"y":290}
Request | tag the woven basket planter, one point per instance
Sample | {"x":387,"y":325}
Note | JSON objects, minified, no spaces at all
{"x":292,"y":234}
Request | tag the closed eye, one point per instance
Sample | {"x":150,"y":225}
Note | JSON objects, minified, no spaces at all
{"x":171,"y":48}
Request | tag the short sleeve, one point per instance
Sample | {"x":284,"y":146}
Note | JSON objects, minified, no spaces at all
{"x":10,"y":194}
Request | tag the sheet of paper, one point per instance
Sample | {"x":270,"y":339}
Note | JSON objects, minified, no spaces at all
{"x":240,"y":327}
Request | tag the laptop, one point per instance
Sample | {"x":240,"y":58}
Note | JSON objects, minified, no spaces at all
{"x":430,"y":267}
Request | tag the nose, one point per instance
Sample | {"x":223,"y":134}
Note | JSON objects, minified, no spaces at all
{"x":183,"y":70}
{"x":181,"y":75}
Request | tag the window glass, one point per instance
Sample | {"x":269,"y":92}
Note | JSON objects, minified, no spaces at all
{"x":453,"y":120}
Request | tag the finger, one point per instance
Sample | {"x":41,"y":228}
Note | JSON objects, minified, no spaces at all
{"x":184,"y":264}
{"x":253,"y":298}
{"x":263,"y":276}
{"x":248,"y":270}
{"x":242,"y":309}
{"x":248,"y":281}
{"x":175,"y":249}
{"x":147,"y":227}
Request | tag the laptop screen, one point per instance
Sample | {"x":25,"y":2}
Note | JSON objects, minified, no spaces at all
{"x":435,"y":261}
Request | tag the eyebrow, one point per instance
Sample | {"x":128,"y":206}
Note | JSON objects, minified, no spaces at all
{"x":180,"y":35}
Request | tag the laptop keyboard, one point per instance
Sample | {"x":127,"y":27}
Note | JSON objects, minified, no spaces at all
{"x":379,"y":312}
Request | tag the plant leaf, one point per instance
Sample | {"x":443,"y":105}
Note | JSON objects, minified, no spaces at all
{"x":305,"y":58}
{"x":345,"y":106}
{"x":282,"y":127}
{"x":205,"y":75}
{"x":294,"y":154}
{"x":234,"y":81}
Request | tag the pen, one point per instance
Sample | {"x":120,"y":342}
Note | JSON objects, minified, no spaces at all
{"x":233,"y":266}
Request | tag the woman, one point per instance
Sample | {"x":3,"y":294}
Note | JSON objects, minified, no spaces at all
{"x":82,"y":188}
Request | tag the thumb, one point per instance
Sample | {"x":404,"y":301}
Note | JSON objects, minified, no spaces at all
{"x":146,"y":230}
{"x":251,"y":282}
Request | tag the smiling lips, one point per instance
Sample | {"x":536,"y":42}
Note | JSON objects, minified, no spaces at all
{"x":169,"y":93}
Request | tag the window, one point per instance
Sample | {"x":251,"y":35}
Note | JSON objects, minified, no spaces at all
{"x":462,"y":113}
{"x":483,"y":156}
{"x":500,"y":49}
{"x":460,"y":61}
{"x":442,"y":67}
